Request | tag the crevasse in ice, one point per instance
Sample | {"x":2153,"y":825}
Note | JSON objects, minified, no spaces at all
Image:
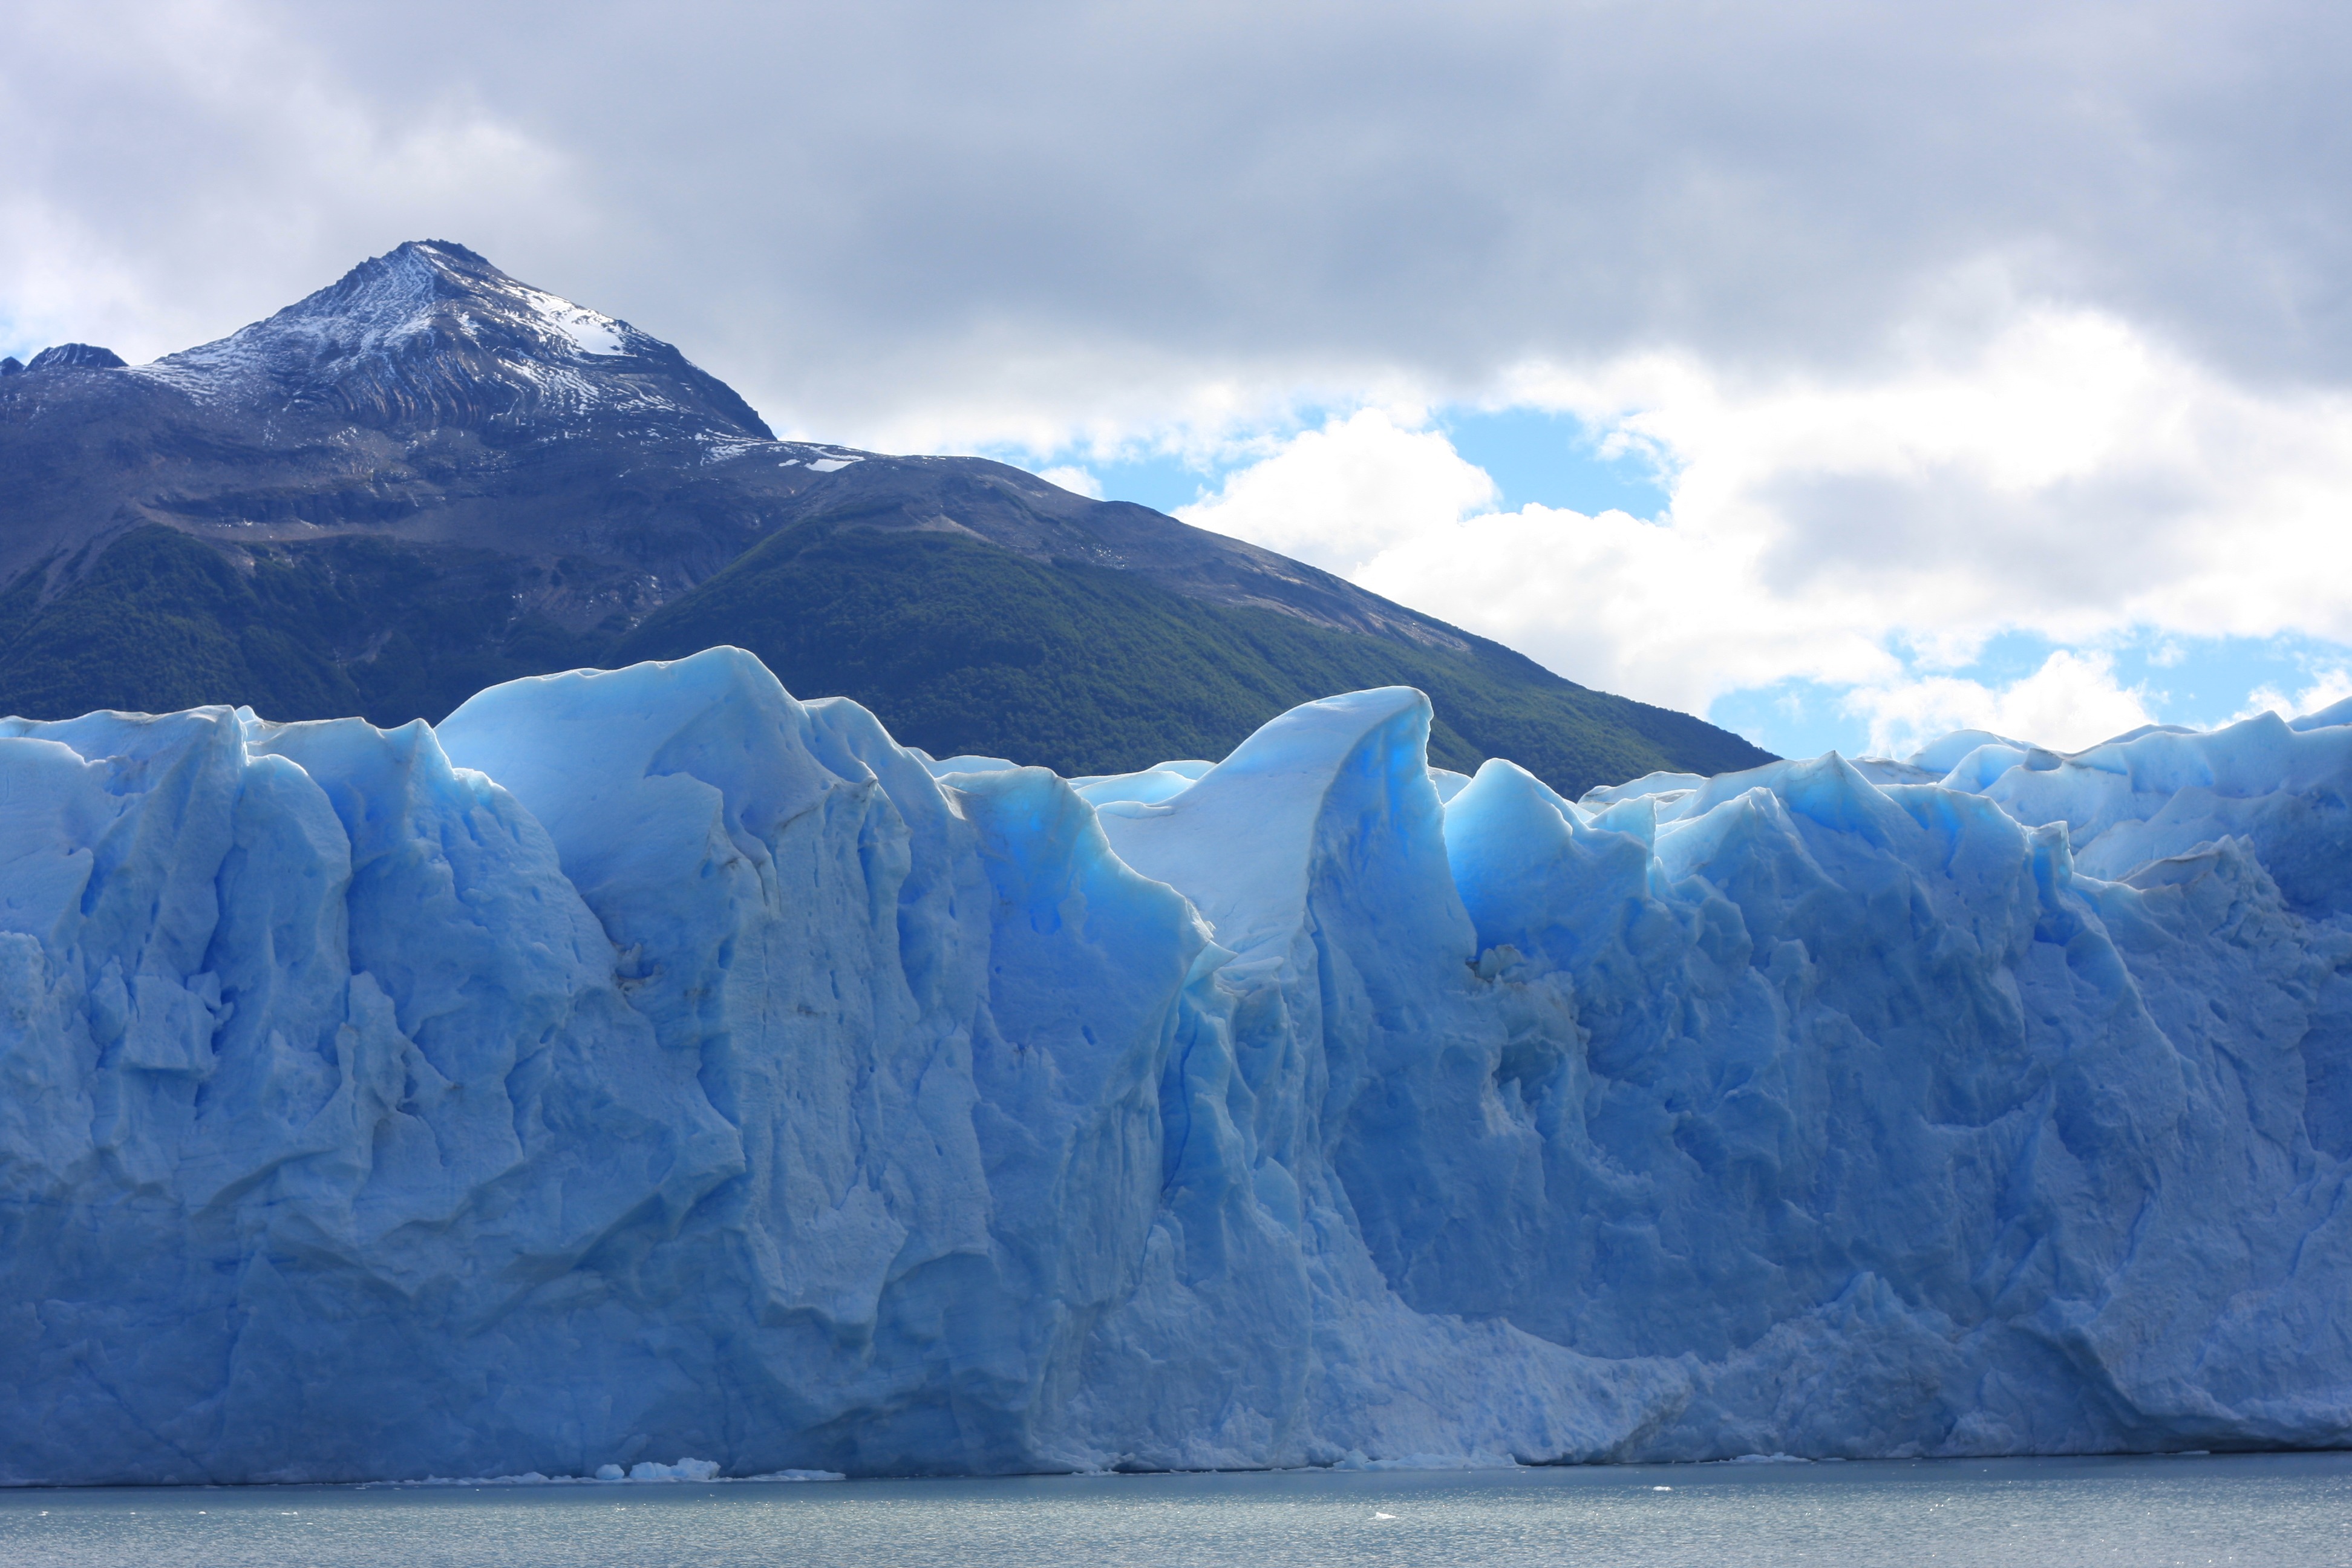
{"x":646,"y":1063}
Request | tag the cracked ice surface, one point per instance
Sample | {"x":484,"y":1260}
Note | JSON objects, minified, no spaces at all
{"x":647,"y":1063}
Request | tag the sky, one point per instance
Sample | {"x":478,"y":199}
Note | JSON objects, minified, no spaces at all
{"x":1846,"y":372}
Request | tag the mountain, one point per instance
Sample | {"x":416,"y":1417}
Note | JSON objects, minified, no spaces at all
{"x":431,"y":477}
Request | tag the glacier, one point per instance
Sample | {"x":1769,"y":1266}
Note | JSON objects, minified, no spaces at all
{"x":647,"y":1063}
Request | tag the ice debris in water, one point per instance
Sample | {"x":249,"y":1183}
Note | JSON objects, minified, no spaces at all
{"x":646,"y":1061}
{"x":643,"y":1470}
{"x":649,"y":1470}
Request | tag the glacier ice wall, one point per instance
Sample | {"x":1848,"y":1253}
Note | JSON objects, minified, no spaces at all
{"x":647,"y":1063}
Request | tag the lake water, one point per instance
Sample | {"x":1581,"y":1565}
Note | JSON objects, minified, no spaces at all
{"x":2275,"y":1510}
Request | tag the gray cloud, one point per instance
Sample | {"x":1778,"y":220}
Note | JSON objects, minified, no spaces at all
{"x":854,"y":212}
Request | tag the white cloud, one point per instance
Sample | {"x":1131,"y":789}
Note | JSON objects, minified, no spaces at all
{"x":1338,"y":496}
{"x":1663,"y":611}
{"x":2067,"y":477}
{"x":2073,"y":701}
{"x":2332,"y":686}
{"x":1078,"y":481}
{"x":177,"y":168}
{"x":978,"y":227}
{"x":1666,"y":611}
{"x":2328,"y":688}
{"x":2068,"y":474}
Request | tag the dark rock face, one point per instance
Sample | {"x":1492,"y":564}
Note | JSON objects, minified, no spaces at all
{"x":574,"y":473}
{"x":76,"y":356}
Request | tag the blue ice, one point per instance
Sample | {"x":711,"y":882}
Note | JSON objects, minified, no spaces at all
{"x":647,"y":1063}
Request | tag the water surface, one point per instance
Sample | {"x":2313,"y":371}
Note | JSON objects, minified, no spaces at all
{"x":2275,"y":1510}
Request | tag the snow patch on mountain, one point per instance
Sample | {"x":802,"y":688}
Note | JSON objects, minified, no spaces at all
{"x":430,"y":330}
{"x":585,"y":330}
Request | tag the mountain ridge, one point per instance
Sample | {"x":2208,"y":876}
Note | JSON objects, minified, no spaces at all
{"x":428,"y":424}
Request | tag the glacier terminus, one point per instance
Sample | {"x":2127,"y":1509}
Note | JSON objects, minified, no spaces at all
{"x":647,"y":1063}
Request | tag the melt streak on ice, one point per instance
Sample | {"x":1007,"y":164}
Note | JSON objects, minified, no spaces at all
{"x":648,"y":1063}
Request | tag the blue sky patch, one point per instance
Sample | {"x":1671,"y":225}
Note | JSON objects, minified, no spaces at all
{"x":1555,"y":461}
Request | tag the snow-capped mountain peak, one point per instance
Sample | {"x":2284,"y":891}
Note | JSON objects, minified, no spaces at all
{"x":433,"y":285}
{"x":431,"y":332}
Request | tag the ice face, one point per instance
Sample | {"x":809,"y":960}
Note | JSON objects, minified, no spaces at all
{"x":648,"y":1063}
